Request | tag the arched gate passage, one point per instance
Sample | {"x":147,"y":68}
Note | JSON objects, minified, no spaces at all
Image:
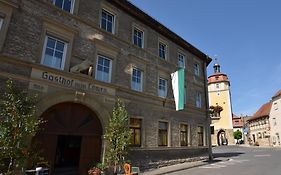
{"x":221,"y":138}
{"x":71,"y":138}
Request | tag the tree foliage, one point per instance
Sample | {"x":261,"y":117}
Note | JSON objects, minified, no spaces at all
{"x":117,"y":135}
{"x":237,"y":135}
{"x":17,"y":126}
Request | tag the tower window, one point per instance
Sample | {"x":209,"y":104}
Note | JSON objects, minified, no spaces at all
{"x":217,"y":85}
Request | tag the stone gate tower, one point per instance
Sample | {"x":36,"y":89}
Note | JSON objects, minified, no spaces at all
{"x":220,"y":96}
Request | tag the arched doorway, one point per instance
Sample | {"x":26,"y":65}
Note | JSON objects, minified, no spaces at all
{"x":71,"y":138}
{"x":221,"y":138}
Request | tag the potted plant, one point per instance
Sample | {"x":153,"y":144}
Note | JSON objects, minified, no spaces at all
{"x":94,"y":171}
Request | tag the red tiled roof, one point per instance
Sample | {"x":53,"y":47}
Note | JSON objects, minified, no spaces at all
{"x":263,"y":111}
{"x":277,"y":94}
{"x":235,"y":116}
{"x":217,"y":77}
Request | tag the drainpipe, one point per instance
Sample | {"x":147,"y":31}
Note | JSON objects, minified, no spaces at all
{"x":207,"y":113}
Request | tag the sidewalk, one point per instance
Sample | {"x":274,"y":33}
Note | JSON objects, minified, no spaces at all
{"x":179,"y":167}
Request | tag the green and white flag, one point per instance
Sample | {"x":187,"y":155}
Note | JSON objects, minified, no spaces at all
{"x":178,"y":88}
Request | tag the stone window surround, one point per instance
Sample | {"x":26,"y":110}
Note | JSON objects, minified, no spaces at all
{"x":136,"y":62}
{"x":110,"y":67}
{"x":184,"y":58}
{"x":165,"y":43}
{"x":142,"y":29}
{"x":142,"y":129}
{"x":61,"y":32}
{"x":142,"y":78}
{"x":164,"y":75}
{"x":196,"y":68}
{"x":64,"y":51}
{"x":111,"y":11}
{"x":5,"y":15}
{"x":166,"y":86}
{"x":168,"y":133}
{"x":106,"y":50}
{"x":198,"y":99}
{"x":103,"y":11}
{"x":204,"y":134}
{"x":188,"y":134}
{"x":74,"y":8}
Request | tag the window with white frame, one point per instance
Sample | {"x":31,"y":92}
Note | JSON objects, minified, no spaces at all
{"x":138,"y":38}
{"x":196,"y":69}
{"x":66,"y":5}
{"x":54,"y":52}
{"x":162,"y":50}
{"x":181,"y":60}
{"x":107,"y":21}
{"x":103,"y":69}
{"x":162,"y":88}
{"x":198,"y":100}
{"x":1,"y":23}
{"x":137,"y":76}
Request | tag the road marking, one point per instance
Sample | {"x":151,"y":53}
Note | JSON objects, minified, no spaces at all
{"x":224,"y":164}
{"x":262,"y":155}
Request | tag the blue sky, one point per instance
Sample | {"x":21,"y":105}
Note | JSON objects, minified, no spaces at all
{"x":244,"y":34}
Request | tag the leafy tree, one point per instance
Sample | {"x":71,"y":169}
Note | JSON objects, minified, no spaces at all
{"x":237,"y":135}
{"x":17,"y":126}
{"x":117,"y":136}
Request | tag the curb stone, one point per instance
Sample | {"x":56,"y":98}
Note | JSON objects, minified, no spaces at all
{"x":179,"y":167}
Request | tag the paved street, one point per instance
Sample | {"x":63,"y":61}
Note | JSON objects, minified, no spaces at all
{"x":240,"y":160}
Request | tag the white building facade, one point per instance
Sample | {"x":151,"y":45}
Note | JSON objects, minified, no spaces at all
{"x":275,"y":119}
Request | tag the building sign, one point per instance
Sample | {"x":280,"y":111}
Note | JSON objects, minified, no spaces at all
{"x":68,"y":82}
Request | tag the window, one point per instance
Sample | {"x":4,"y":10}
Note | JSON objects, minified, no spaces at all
{"x":183,"y":135}
{"x":1,"y":23}
{"x":107,"y":21}
{"x":162,"y":88}
{"x":66,"y":5}
{"x":275,"y":106}
{"x":212,"y":129}
{"x":54,"y":53}
{"x":181,"y":60}
{"x":138,"y":37}
{"x":217,"y":85}
{"x":200,"y":131}
{"x":163,"y":134}
{"x":103,"y":69}
{"x":198,"y":100}
{"x":162,"y":50}
{"x":135,"y":127}
{"x":196,"y":69}
{"x":136,"y":80}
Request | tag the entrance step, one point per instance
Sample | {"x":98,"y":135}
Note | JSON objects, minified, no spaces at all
{"x":66,"y":171}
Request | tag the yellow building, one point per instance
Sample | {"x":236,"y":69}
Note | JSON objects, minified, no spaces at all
{"x":219,"y":95}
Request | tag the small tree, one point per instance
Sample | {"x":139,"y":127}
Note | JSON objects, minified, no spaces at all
{"x":117,"y":136}
{"x":17,"y":126}
{"x":237,"y":135}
